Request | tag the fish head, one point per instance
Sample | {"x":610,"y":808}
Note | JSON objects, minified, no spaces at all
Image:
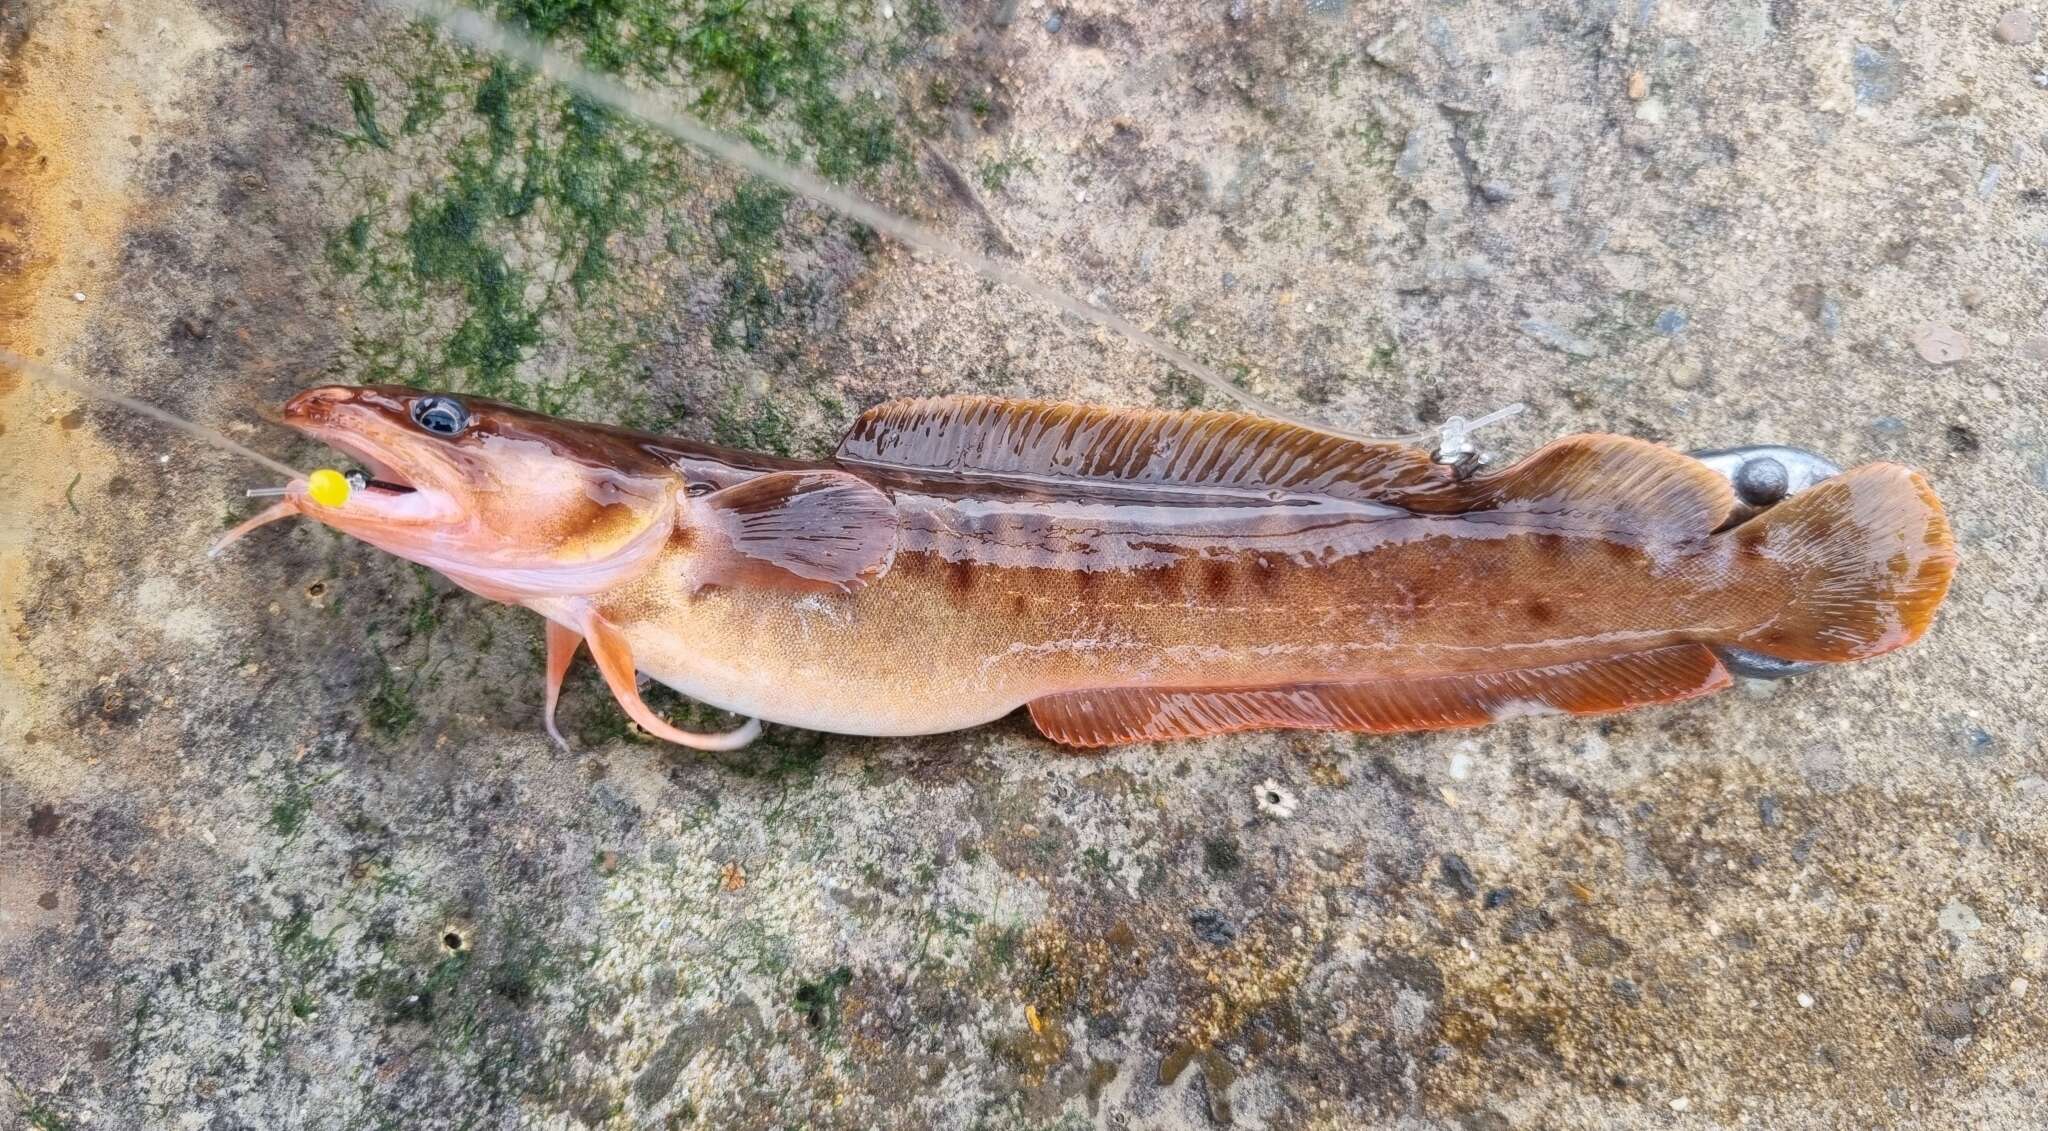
{"x":510,"y":502}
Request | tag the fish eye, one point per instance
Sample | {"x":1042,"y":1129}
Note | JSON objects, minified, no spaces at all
{"x":443,"y":416}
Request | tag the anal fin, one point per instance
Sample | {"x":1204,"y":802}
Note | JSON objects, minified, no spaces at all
{"x":1110,"y":716}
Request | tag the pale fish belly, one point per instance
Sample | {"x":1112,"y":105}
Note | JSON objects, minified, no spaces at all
{"x":804,"y":662}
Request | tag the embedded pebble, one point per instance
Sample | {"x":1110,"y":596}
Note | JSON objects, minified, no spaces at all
{"x":1876,"y":73}
{"x":1960,"y":918}
{"x":1950,"y":1019}
{"x":1830,"y":316}
{"x":2015,"y":27}
{"x":1672,"y":320}
{"x":2035,"y":348}
{"x":1770,"y":812}
{"x":1457,"y":875}
{"x":1211,"y":927}
{"x":1940,"y":345}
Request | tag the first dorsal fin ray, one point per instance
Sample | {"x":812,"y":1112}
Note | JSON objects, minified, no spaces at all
{"x":1110,"y":716}
{"x":1048,"y":441}
{"x":1614,"y":483}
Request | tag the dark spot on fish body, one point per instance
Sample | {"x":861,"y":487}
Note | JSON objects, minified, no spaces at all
{"x":961,"y":577}
{"x":1018,"y":604}
{"x":1540,"y":611}
{"x":1218,"y":579}
{"x":1168,"y":582}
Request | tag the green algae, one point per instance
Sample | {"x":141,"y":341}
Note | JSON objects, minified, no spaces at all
{"x":502,"y":220}
{"x":363,"y":103}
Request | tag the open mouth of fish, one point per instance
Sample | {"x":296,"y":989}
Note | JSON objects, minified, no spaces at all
{"x":380,"y":488}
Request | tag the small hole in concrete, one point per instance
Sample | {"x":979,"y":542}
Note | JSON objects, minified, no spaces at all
{"x":452,"y":941}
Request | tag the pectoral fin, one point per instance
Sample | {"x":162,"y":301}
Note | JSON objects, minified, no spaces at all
{"x":615,"y":660}
{"x":807,"y":531}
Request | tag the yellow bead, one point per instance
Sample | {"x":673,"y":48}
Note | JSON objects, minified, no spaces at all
{"x":327,"y":487}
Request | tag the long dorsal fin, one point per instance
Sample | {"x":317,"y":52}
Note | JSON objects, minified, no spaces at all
{"x":1110,"y":716}
{"x":1614,"y":483}
{"x":1041,"y":441}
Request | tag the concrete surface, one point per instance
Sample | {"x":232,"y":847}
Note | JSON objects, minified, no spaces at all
{"x":281,"y":841}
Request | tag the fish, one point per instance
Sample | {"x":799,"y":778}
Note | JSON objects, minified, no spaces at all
{"x":1123,"y":575}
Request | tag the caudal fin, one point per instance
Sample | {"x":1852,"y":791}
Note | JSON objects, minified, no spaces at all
{"x":1850,"y":568}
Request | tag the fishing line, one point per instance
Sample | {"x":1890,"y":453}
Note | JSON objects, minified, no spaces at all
{"x":53,"y":376}
{"x":483,"y":33}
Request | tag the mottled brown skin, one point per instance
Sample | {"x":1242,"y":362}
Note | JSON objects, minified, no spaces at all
{"x":998,"y":589}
